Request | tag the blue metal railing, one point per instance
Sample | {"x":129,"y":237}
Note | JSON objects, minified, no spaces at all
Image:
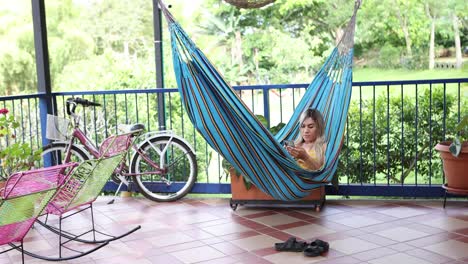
{"x":388,"y":148}
{"x":26,"y":112}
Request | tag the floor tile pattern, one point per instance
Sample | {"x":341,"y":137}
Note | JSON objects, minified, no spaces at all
{"x":208,"y":231}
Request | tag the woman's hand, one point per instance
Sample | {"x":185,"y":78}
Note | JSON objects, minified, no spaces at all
{"x":298,"y":152}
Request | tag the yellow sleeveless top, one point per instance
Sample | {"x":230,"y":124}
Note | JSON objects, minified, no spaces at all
{"x":302,"y":163}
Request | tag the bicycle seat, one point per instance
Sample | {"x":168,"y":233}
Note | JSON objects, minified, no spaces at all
{"x":137,"y":126}
{"x":131,"y":128}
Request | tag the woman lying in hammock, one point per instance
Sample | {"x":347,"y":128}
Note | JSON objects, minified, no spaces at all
{"x":309,"y":148}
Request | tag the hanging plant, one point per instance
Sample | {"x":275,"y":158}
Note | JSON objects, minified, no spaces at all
{"x":249,"y":3}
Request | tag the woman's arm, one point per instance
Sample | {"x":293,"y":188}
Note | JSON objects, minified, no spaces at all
{"x":310,"y":162}
{"x":321,"y":158}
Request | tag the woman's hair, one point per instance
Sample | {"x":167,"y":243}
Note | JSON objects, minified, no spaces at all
{"x":315,"y":115}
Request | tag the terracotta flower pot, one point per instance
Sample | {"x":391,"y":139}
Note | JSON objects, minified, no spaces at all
{"x":455,"y":168}
{"x":240,"y":192}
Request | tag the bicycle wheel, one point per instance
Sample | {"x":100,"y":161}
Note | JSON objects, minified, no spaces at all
{"x":179,"y":162}
{"x":54,"y":154}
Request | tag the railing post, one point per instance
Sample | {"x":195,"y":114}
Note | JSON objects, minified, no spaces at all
{"x":266,"y":105}
{"x":42,"y":64}
{"x":158,"y":52}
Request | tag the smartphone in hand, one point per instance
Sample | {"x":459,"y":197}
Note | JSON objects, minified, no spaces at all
{"x":289,"y":143}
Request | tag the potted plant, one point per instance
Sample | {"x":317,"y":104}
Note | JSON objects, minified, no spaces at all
{"x":454,"y":155}
{"x":236,"y":176}
{"x":244,"y":192}
{"x":14,"y":155}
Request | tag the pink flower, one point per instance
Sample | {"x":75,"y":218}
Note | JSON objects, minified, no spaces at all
{"x":3,"y":111}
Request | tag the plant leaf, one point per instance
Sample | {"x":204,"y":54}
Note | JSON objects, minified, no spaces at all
{"x":455,"y":147}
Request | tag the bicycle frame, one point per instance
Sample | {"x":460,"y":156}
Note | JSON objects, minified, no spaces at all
{"x":155,"y":160}
{"x":79,"y":135}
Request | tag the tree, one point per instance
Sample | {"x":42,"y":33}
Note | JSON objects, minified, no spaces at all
{"x":17,"y":61}
{"x":229,"y":34}
{"x":102,"y":45}
{"x":124,"y":27}
{"x":457,"y":9}
{"x":375,"y":18}
{"x":317,"y":17}
{"x":404,"y":22}
{"x":456,"y":36}
{"x":433,"y":10}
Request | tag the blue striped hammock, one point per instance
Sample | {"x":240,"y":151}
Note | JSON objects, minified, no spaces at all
{"x":231,"y":129}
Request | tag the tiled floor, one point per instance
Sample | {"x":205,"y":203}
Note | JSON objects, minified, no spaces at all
{"x":208,"y":231}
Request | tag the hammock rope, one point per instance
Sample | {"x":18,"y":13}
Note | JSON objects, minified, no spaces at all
{"x":231,"y":129}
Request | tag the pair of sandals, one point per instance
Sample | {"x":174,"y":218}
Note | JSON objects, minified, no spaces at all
{"x":314,"y":249}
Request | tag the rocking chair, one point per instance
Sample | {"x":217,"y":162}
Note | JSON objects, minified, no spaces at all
{"x":23,"y":200}
{"x":77,"y":195}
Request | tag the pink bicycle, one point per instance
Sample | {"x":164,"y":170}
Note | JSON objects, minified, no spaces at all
{"x":162,"y":164}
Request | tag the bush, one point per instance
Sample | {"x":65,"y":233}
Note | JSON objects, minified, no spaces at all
{"x":419,"y":60}
{"x":389,"y":57}
{"x":383,"y":146}
{"x":14,"y":155}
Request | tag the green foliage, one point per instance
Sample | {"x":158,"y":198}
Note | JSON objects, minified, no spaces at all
{"x":402,"y":148}
{"x":389,"y":56}
{"x":375,"y":74}
{"x":462,"y":130}
{"x":277,"y":128}
{"x":16,"y":68}
{"x":418,"y":60}
{"x":96,"y":45}
{"x":14,"y":155}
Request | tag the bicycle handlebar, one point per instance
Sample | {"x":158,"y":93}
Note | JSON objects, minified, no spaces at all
{"x":73,"y":102}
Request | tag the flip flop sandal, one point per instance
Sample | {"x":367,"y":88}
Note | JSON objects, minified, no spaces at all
{"x":291,"y":245}
{"x":322,"y":244}
{"x":313,"y":251}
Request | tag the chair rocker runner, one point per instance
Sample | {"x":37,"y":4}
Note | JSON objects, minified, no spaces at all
{"x":231,"y":129}
{"x":77,"y":195}
{"x":22,"y":201}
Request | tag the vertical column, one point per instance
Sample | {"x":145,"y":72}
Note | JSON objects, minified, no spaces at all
{"x":42,"y":64}
{"x":158,"y":52}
